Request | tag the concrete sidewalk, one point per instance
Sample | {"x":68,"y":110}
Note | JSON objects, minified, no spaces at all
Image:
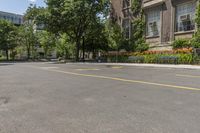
{"x":147,"y":65}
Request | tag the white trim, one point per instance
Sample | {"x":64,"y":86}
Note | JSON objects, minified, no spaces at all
{"x":149,"y":4}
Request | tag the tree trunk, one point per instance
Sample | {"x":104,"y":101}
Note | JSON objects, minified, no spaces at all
{"x":66,"y":54}
{"x":83,"y":49}
{"x":93,"y":51}
{"x":7,"y":55}
{"x":77,"y":50}
{"x":28,"y":53}
{"x":45,"y":53}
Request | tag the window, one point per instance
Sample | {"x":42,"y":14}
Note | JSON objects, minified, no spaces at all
{"x":126,"y":28}
{"x":153,"y":22}
{"x":185,"y":15}
{"x":20,"y":21}
{"x":12,"y":19}
{"x":126,"y":3}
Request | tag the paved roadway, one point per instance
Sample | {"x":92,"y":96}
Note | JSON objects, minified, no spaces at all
{"x":75,"y":98}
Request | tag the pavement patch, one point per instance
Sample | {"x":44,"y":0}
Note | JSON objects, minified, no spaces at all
{"x":3,"y":100}
{"x":187,"y":76}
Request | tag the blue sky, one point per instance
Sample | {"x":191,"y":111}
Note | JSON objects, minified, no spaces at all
{"x":18,"y":6}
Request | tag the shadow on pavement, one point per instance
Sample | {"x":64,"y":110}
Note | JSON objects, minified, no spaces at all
{"x":6,"y":64}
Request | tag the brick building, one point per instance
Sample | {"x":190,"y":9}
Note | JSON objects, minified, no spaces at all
{"x":166,"y":20}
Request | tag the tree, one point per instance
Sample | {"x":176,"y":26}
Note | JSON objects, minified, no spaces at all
{"x":27,"y":32}
{"x":96,"y":39}
{"x":137,"y":40}
{"x":73,"y":17}
{"x":27,"y":38}
{"x":47,"y":40}
{"x":7,"y":37}
{"x":36,"y":15}
{"x":114,"y":35}
{"x":196,"y":37}
{"x":64,"y":47}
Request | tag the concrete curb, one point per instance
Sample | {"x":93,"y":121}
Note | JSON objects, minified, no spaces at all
{"x":146,"y":65}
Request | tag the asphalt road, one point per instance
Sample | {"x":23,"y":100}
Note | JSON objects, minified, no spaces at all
{"x":75,"y":98}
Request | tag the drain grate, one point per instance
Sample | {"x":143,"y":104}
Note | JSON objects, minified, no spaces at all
{"x":3,"y":100}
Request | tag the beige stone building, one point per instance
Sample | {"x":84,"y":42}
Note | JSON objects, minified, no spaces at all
{"x":166,"y":20}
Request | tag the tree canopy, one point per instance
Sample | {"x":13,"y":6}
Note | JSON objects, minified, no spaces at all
{"x":74,"y":17}
{"x":7,"y":37}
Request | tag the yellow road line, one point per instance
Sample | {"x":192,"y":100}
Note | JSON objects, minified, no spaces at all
{"x":117,"y":67}
{"x":127,"y":80}
{"x":187,"y":76}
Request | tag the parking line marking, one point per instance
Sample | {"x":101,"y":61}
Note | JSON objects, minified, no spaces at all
{"x":126,"y":80}
{"x":117,"y":67}
{"x":187,"y":76}
{"x":88,"y":69}
{"x":49,"y":68}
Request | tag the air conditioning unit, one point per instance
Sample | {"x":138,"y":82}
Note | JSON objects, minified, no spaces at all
{"x":185,"y":17}
{"x":153,"y":24}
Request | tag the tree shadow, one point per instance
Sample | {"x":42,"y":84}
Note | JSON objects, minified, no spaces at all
{"x":6,"y":64}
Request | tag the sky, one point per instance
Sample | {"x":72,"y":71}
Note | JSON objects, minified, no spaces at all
{"x":18,"y":6}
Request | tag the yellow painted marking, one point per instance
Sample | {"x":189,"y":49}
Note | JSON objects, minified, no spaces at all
{"x":88,"y":69}
{"x":126,"y":80}
{"x":49,"y":67}
{"x":117,"y":67}
{"x":187,"y":76}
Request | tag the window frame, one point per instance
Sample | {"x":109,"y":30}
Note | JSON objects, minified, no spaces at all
{"x":176,"y":29}
{"x":156,"y":9}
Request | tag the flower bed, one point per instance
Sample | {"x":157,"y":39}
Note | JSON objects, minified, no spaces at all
{"x":179,"y":56}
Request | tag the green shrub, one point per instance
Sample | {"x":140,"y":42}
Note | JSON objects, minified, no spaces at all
{"x":136,"y":59}
{"x":196,"y":40}
{"x":181,"y":43}
{"x":185,"y":58}
{"x":151,"y":58}
{"x":115,"y":58}
{"x":142,"y":47}
{"x":155,"y":58}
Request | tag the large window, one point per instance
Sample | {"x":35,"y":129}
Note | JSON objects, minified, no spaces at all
{"x":153,"y":22}
{"x":185,"y":15}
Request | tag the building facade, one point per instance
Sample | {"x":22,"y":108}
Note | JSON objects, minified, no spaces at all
{"x":13,"y":18}
{"x":166,"y":20}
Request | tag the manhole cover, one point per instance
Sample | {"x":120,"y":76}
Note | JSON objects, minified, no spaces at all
{"x":3,"y":100}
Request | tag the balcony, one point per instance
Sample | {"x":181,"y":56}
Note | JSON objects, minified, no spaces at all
{"x":150,"y":3}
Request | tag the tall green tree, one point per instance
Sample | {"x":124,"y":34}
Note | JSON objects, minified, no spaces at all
{"x":27,"y":32}
{"x":36,"y":15}
{"x":73,"y":17}
{"x":47,"y":40}
{"x":27,"y":38}
{"x":96,"y":39}
{"x":196,"y":37}
{"x":137,"y":40}
{"x":7,"y":37}
{"x":114,"y":35}
{"x":64,"y":47}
